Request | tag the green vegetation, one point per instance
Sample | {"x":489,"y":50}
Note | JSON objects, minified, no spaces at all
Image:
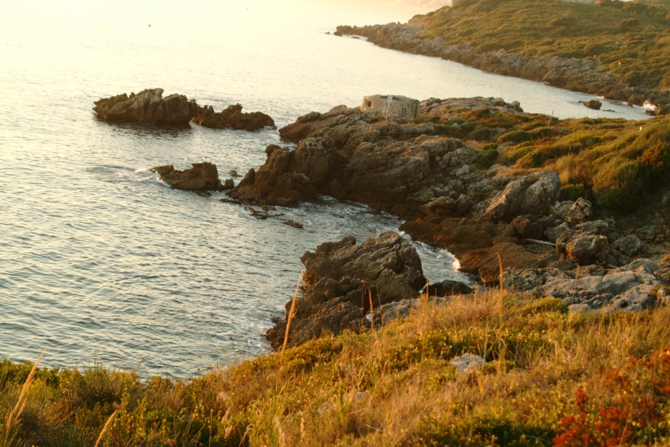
{"x":615,"y":162}
{"x":630,"y":40}
{"x":552,"y":378}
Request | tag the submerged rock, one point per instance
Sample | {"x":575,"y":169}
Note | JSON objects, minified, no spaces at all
{"x":201,"y":177}
{"x":343,"y":280}
{"x":147,"y":107}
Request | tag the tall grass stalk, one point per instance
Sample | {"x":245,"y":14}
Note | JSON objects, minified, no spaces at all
{"x":104,"y":428}
{"x":14,"y":416}
{"x":290,"y":314}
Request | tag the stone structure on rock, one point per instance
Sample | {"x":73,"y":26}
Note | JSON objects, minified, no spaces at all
{"x":201,"y":177}
{"x":147,"y":107}
{"x":390,"y":106}
{"x":342,"y":279}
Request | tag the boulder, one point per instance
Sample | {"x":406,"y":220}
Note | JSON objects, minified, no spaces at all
{"x":344,"y":280}
{"x":580,"y":212}
{"x":588,"y":249}
{"x":201,"y":177}
{"x":628,"y":245}
{"x":532,"y":194}
{"x":232,"y":118}
{"x":147,"y":107}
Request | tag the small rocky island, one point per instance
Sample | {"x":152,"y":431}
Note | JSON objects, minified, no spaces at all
{"x":149,"y":107}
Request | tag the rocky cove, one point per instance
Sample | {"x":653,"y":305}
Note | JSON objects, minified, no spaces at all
{"x":438,"y":173}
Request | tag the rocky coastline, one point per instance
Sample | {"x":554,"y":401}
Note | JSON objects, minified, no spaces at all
{"x":569,"y":73}
{"x":451,"y":197}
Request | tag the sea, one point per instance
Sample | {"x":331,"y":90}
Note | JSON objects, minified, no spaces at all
{"x":103,"y":263}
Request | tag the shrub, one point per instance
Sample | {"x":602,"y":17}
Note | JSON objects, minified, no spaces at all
{"x":487,"y":158}
{"x":629,"y":24}
{"x":515,"y":136}
{"x":573,"y":192}
{"x":627,"y":406}
{"x":616,"y":185}
{"x":482,"y":134}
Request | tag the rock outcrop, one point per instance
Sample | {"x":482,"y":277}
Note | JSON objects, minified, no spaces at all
{"x":343,"y":280}
{"x":147,"y":107}
{"x":409,"y":169}
{"x":232,"y":118}
{"x":632,"y":287}
{"x":201,"y":177}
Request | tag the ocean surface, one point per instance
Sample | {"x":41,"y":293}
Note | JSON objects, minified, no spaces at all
{"x":103,"y":263}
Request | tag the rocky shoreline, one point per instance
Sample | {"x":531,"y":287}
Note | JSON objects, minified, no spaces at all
{"x":439,"y":173}
{"x":441,"y":185}
{"x":569,"y":73}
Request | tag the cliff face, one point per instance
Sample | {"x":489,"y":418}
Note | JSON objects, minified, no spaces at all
{"x":596,"y":50}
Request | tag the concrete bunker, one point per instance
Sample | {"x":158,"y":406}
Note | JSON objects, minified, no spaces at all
{"x":391,"y":106}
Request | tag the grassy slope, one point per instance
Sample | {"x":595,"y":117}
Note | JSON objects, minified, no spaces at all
{"x":392,"y":386}
{"x":632,"y":42}
{"x":615,"y":162}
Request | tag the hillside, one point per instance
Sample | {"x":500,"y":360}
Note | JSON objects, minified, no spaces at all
{"x":551,"y":378}
{"x":617,"y":50}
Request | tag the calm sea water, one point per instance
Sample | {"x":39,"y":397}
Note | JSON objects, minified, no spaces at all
{"x":102,"y":262}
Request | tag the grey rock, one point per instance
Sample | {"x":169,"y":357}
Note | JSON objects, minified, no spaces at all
{"x":561,"y":209}
{"x":647,"y":233}
{"x":532,"y":194}
{"x":628,"y":245}
{"x":467,"y":362}
{"x":588,"y":249}
{"x":593,"y":227}
{"x":580,"y":212}
{"x":553,"y":233}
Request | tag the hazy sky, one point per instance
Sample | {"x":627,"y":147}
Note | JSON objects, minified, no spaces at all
{"x":121,"y":12}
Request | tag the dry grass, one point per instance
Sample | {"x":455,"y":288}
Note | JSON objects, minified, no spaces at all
{"x":390,"y":386}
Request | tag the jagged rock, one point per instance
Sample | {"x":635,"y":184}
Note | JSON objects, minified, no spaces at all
{"x":147,"y":107}
{"x":628,"y":245}
{"x":532,"y":194}
{"x":561,"y":209}
{"x":232,"y":118}
{"x":342,"y":279}
{"x":201,"y":177}
{"x":228,"y":184}
{"x":580,"y":212}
